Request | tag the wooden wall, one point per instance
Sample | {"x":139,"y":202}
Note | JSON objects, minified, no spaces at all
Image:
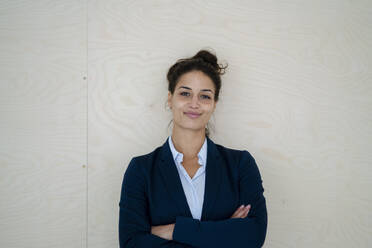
{"x":83,"y":90}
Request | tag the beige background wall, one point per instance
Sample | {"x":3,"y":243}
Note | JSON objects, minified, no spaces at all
{"x":83,"y":89}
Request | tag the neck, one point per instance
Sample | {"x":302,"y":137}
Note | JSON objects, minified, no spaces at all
{"x":188,"y":142}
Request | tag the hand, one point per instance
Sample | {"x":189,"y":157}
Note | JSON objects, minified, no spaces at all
{"x":163,"y":231}
{"x":241,"y":212}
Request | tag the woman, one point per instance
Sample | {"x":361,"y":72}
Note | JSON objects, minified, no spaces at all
{"x":191,"y":192}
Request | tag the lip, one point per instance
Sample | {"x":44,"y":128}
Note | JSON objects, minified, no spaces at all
{"x":192,"y":115}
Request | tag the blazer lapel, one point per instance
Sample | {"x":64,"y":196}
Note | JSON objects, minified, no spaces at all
{"x":212,"y":179}
{"x":172,"y":180}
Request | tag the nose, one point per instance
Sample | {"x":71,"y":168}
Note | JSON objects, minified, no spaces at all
{"x":195,"y":101}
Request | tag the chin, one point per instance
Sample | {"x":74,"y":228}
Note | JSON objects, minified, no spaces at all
{"x":192,"y":126}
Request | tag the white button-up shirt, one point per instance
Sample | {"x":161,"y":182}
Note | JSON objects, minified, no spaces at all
{"x":193,"y":187}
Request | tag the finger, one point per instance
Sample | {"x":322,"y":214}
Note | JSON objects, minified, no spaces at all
{"x":238,"y":210}
{"x":246,"y":211}
{"x":241,"y":213}
{"x":235,"y":215}
{"x":238,"y":215}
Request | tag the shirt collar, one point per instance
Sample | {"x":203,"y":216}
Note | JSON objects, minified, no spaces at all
{"x":177,"y":156}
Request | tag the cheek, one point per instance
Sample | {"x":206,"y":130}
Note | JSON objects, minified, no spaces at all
{"x":178,"y":105}
{"x":177,"y":109}
{"x":209,"y":110}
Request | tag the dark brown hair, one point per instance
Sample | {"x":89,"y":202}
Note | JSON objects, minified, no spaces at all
{"x":204,"y":61}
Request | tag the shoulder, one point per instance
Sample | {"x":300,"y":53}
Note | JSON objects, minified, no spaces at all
{"x":148,"y":156}
{"x":144,"y":162}
{"x":240,"y":161}
{"x":234,"y":155}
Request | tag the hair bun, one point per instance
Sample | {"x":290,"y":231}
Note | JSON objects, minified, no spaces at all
{"x":210,"y":59}
{"x":206,"y":56}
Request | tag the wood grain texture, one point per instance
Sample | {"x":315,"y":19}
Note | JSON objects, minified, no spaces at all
{"x":43,"y":124}
{"x":297,"y":95}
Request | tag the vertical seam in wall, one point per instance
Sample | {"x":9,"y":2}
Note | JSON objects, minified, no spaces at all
{"x":87,"y":121}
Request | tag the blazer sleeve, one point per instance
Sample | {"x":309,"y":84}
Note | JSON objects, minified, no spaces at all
{"x":134,"y":226}
{"x":236,"y":232}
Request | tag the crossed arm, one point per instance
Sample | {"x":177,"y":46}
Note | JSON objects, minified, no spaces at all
{"x":166,"y":231}
{"x":245,"y":228}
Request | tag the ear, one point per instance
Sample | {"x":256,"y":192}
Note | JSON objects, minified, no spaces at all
{"x":169,"y":99}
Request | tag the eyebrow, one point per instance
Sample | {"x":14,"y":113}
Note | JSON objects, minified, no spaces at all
{"x":185,"y":87}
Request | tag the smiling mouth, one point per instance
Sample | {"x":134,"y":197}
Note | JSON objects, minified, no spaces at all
{"x":192,"y":115}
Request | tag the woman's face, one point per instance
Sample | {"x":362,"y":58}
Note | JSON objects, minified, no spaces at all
{"x":192,"y":102}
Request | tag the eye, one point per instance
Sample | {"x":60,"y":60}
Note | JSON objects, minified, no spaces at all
{"x":205,"y":97}
{"x":184,"y":93}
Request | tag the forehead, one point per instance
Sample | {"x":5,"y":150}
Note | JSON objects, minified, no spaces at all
{"x":195,"y":80}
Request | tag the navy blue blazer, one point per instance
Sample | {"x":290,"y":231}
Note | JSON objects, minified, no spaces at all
{"x":152,"y":194}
